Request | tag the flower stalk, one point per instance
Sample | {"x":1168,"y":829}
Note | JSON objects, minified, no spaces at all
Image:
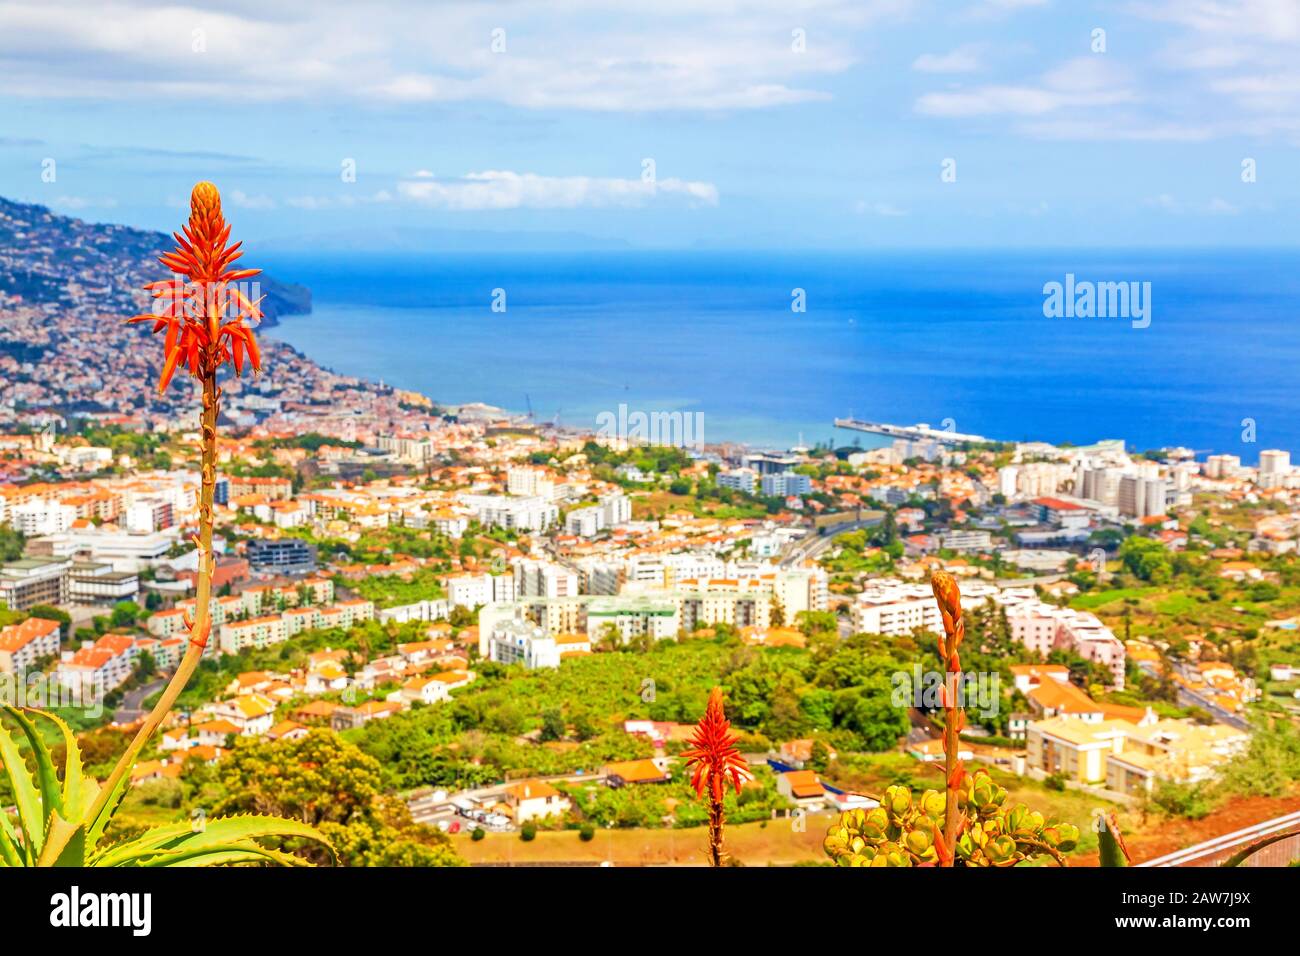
{"x":948,"y":596}
{"x":204,"y":318}
{"x":715,"y":761}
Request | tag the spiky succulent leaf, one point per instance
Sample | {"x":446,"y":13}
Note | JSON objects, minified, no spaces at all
{"x":79,"y":790}
{"x":47,"y":778}
{"x":12,"y":853}
{"x":95,"y":828}
{"x":31,"y":819}
{"x":1242,"y":855}
{"x":242,"y":852}
{"x":1110,"y":843}
{"x":65,"y":843}
{"x":213,"y":835}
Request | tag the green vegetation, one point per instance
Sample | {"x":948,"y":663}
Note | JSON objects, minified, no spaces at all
{"x":395,"y":590}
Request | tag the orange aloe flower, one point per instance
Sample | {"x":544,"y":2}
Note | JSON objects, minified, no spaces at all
{"x":204,"y":316}
{"x":713,"y":753}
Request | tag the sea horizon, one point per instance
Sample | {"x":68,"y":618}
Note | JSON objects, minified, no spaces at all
{"x":953,"y":339}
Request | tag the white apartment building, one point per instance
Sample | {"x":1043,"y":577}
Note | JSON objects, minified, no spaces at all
{"x":599,"y":576}
{"x":437,"y":610}
{"x":256,"y":632}
{"x":632,"y":616}
{"x":530,"y":482}
{"x":519,"y":641}
{"x":610,"y":511}
{"x":125,"y":551}
{"x":473,"y":590}
{"x":23,"y":644}
{"x":965,"y":540}
{"x":1043,"y":628}
{"x":1141,"y":497}
{"x":1219,"y":467}
{"x":1274,"y":468}
{"x":524,"y":514}
{"x":739,"y":479}
{"x":740,"y":603}
{"x":543,"y":579}
{"x":42,"y":516}
{"x":801,"y":589}
{"x":893,"y":608}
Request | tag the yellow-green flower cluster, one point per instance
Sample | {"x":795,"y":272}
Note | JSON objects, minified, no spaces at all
{"x":902,"y":831}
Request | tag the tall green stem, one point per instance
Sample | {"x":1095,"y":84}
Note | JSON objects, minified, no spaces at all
{"x":199,"y":631}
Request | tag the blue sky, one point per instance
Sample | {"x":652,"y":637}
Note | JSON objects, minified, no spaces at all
{"x":770,"y":123}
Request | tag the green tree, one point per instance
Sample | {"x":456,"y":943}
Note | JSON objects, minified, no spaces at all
{"x":329,"y":784}
{"x":12,"y":543}
{"x":125,"y":614}
{"x":553,"y":725}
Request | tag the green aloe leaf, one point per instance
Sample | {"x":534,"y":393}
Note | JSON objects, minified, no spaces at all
{"x":65,"y":843}
{"x":95,"y":828}
{"x":1241,"y":856}
{"x":77,"y":787}
{"x":46,"y":776}
{"x":11,"y":852}
{"x":1110,"y":843}
{"x":215,"y":834}
{"x":243,"y":852}
{"x":30,"y":816}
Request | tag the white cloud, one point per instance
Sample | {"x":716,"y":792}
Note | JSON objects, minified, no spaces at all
{"x":76,"y":203}
{"x":1242,"y":57}
{"x":343,"y":200}
{"x":503,"y":189}
{"x":1081,"y":82}
{"x":583,"y":54}
{"x":242,"y":200}
{"x":961,"y":60}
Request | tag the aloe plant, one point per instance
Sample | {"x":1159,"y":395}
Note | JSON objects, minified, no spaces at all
{"x":1111,"y":849}
{"x":61,"y":822}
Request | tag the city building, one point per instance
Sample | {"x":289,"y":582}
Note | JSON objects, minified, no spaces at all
{"x":281,"y":556}
{"x":25,"y":643}
{"x":28,"y":582}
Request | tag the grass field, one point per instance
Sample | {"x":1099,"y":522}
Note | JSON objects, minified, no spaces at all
{"x":772,"y":842}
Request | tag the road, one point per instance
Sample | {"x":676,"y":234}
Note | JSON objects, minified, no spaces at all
{"x":425,"y":808}
{"x":813,"y":544}
{"x":132,"y":707}
{"x":1190,"y":698}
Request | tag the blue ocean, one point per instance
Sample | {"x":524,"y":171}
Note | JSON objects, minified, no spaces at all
{"x":901,"y":338}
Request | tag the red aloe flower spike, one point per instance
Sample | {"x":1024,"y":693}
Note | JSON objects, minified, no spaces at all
{"x":714,"y":756}
{"x":713,"y":753}
{"x":192,"y":311}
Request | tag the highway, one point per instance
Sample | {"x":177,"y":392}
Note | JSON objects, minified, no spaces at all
{"x":812,"y":544}
{"x":1190,"y":698}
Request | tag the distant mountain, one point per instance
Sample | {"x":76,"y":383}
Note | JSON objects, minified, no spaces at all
{"x":49,"y":259}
